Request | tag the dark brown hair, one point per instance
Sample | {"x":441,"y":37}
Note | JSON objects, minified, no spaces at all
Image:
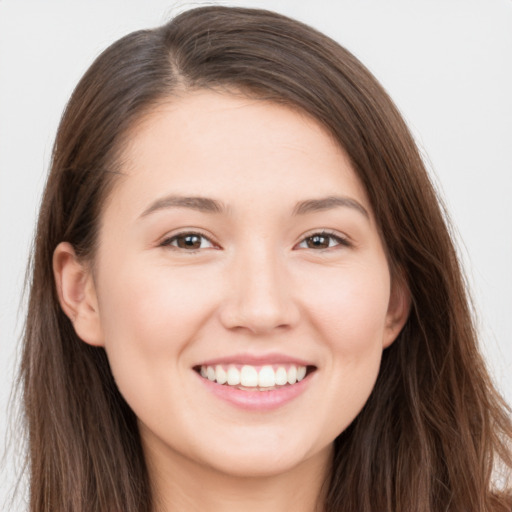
{"x":434,"y":428}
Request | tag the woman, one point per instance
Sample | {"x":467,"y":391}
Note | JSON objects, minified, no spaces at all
{"x":244,"y":293}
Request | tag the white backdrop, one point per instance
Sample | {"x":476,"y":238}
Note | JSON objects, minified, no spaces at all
{"x":446,"y":63}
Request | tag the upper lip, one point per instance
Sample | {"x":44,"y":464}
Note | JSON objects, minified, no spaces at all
{"x":256,"y":360}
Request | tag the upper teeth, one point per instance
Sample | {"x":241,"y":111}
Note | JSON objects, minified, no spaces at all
{"x":251,"y":376}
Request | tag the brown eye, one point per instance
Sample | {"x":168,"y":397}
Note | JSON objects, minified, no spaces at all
{"x":323,"y":241}
{"x":318,"y":242}
{"x":188,"y":241}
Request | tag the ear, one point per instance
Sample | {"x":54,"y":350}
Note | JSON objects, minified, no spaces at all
{"x":398,"y":310}
{"x":77,"y":294}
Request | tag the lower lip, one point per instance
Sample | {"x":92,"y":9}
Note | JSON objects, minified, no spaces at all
{"x":257,"y":400}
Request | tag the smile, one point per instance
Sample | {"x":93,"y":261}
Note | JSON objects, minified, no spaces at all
{"x":252,"y":378}
{"x":256,"y":382}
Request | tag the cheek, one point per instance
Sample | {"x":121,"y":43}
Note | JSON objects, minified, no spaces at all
{"x":149,"y":317}
{"x":153,"y":307}
{"x":351,"y":310}
{"x":351,"y":317}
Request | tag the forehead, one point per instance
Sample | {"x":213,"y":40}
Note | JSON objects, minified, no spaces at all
{"x":231,"y":146}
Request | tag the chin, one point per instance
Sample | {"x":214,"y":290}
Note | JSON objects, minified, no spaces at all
{"x":263,"y":459}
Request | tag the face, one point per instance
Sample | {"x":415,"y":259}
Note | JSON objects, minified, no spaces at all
{"x":241,"y":289}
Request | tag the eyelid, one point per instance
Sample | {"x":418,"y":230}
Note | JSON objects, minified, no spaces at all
{"x":168,"y":239}
{"x":342,"y":239}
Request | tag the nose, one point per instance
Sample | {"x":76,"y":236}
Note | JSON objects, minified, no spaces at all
{"x":260,"y":294}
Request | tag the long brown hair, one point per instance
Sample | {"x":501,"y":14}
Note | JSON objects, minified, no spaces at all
{"x":434,"y":430}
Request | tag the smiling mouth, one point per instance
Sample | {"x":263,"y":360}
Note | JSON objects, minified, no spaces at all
{"x":255,"y":378}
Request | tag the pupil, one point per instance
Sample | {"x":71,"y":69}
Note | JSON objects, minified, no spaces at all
{"x":319,"y":241}
{"x":189,"y":241}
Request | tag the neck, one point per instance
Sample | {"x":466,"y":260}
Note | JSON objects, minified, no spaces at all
{"x":181,"y":484}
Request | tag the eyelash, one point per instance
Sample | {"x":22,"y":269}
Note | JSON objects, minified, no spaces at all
{"x":341,"y":241}
{"x":168,"y":241}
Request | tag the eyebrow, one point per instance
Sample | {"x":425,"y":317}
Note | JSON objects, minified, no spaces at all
{"x":328,"y":203}
{"x":202,"y":204}
{"x":208,"y":205}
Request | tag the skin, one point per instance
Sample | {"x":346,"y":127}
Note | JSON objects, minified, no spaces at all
{"x":255,"y":285}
